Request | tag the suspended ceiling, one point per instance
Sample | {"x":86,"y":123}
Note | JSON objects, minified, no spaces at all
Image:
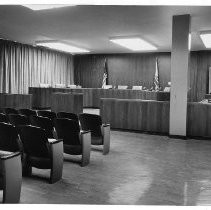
{"x":91,"y":26}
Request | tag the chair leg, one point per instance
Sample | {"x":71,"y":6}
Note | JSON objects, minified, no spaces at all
{"x":57,"y":162}
{"x":86,"y":148}
{"x":12,"y":179}
{"x":106,"y":140}
{"x":27,"y":168}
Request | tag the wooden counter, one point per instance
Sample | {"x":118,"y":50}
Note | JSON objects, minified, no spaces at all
{"x":17,"y":101}
{"x":199,"y":119}
{"x":67,"y":102}
{"x":153,"y":116}
{"x":91,"y":96}
{"x":142,"y":115}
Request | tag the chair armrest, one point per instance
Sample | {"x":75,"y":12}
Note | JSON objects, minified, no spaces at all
{"x":105,"y":128}
{"x":85,"y":137}
{"x":83,"y":131}
{"x":12,"y":176}
{"x":4,"y":155}
{"x":54,"y":141}
{"x":56,"y":150}
{"x":106,"y":125}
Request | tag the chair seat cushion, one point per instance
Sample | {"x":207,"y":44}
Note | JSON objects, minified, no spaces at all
{"x":40,"y":162}
{"x":97,"y":140}
{"x":73,"y":149}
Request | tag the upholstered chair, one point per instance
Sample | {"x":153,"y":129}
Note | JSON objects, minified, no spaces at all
{"x":100,"y":133}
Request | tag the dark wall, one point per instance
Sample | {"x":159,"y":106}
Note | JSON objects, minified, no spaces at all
{"x":123,"y":69}
{"x":139,"y":69}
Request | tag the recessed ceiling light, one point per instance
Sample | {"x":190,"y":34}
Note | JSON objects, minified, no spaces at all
{"x":61,"y":46}
{"x":135,"y":44}
{"x":206,"y":38}
{"x":46,"y":6}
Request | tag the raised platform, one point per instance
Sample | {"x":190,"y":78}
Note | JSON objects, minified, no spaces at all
{"x":91,"y":96}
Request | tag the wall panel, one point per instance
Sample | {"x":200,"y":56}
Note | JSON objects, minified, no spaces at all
{"x":136,"y":69}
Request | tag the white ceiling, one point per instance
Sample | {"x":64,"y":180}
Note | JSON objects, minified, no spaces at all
{"x":91,"y":27}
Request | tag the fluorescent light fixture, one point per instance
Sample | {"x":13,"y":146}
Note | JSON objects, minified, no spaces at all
{"x":206,"y":38}
{"x":45,"y":6}
{"x":61,"y":46}
{"x":135,"y":44}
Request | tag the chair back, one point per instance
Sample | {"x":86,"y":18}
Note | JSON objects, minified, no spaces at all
{"x":8,"y":138}
{"x":91,"y":122}
{"x":44,"y":123}
{"x":68,"y":130}
{"x":10,"y":111}
{"x":3,"y":118}
{"x":17,"y":119}
{"x":48,"y":114}
{"x":68,"y":115}
{"x":27,"y":112}
{"x":35,"y":141}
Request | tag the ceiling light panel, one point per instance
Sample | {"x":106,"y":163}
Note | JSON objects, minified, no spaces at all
{"x":56,"y":45}
{"x":134,"y":44}
{"x":45,"y":6}
{"x":206,"y":39}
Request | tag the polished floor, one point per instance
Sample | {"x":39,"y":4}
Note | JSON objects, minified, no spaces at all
{"x":141,"y":169}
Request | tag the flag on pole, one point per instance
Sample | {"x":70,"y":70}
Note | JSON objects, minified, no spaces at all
{"x":105,"y":74}
{"x":156,"y":77}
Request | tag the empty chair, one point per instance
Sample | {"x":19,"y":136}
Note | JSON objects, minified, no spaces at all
{"x":10,"y":176}
{"x":9,"y":139}
{"x":48,"y":114}
{"x":27,"y":112}
{"x":41,"y":152}
{"x":3,"y":118}
{"x":17,"y":119}
{"x":100,"y":133}
{"x":44,"y":123}
{"x":67,"y":115}
{"x":74,"y":141}
{"x":10,"y":111}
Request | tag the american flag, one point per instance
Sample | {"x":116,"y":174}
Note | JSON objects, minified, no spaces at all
{"x":156,"y":77}
{"x":105,"y":74}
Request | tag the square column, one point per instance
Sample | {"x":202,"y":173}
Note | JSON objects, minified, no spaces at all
{"x":179,"y":75}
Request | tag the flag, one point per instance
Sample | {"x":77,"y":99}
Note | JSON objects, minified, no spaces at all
{"x":156,"y":77}
{"x":105,"y":74}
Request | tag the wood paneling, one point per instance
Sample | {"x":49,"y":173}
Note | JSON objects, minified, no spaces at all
{"x":17,"y":101}
{"x":67,"y":102}
{"x":137,"y":69}
{"x":199,"y":119}
{"x":153,"y":116}
{"x":123,"y":69}
{"x":41,"y":97}
{"x":136,"y":114}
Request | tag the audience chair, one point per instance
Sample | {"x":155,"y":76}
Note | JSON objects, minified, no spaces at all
{"x":75,"y":142}
{"x":67,"y":115}
{"x":17,"y":119}
{"x":10,"y":176}
{"x":100,"y":133}
{"x":3,"y":118}
{"x":44,"y":123}
{"x":27,"y":112}
{"x":48,"y":114}
{"x":10,"y":111}
{"x":9,"y":139}
{"x":41,"y":152}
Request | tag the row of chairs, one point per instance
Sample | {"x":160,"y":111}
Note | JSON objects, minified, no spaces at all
{"x":27,"y":133}
{"x":50,"y":120}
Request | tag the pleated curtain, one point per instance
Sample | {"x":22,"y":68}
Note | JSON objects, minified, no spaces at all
{"x":22,"y":66}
